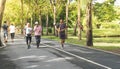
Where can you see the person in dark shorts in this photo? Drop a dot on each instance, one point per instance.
(61, 27)
(12, 32)
(5, 31)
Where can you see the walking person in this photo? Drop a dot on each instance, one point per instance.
(5, 31)
(12, 32)
(61, 27)
(37, 33)
(28, 34)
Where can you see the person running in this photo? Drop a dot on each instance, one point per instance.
(61, 27)
(12, 32)
(37, 33)
(28, 34)
(5, 31)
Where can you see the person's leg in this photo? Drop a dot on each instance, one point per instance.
(36, 38)
(29, 42)
(11, 37)
(62, 43)
(26, 40)
(4, 38)
(38, 41)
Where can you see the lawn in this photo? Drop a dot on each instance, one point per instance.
(101, 42)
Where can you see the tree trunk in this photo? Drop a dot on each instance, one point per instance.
(79, 24)
(47, 24)
(54, 31)
(40, 19)
(21, 17)
(75, 28)
(2, 7)
(67, 7)
(89, 41)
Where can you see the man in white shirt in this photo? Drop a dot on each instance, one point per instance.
(12, 32)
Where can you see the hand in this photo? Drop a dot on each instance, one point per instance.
(62, 29)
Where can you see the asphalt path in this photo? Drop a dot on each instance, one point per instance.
(51, 56)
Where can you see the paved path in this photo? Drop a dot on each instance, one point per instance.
(51, 56)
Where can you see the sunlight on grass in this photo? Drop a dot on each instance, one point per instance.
(108, 44)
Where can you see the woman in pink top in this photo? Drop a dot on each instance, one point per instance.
(37, 33)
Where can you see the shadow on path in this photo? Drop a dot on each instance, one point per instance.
(5, 63)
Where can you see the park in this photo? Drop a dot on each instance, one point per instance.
(92, 34)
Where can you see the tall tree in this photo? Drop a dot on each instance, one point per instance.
(53, 4)
(89, 41)
(67, 9)
(104, 11)
(47, 19)
(21, 16)
(79, 21)
(2, 7)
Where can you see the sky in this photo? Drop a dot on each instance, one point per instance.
(117, 2)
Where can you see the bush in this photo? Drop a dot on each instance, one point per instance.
(50, 30)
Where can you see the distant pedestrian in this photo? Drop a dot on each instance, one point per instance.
(61, 27)
(37, 33)
(28, 34)
(5, 31)
(12, 32)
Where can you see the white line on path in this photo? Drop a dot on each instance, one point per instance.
(80, 57)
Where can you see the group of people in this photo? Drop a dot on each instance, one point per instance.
(37, 32)
(7, 28)
(61, 27)
(28, 30)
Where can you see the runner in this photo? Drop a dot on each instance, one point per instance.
(61, 31)
(5, 31)
(12, 32)
(37, 33)
(28, 34)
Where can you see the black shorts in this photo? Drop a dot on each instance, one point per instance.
(12, 35)
(62, 36)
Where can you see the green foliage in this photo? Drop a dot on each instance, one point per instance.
(104, 12)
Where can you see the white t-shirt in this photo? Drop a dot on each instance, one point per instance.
(28, 30)
(12, 29)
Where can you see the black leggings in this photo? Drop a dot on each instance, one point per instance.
(28, 40)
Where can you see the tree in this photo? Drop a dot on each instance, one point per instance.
(21, 16)
(89, 39)
(79, 21)
(104, 11)
(2, 7)
(53, 4)
(67, 10)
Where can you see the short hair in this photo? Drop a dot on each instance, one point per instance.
(5, 21)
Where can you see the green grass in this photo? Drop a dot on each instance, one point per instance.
(96, 32)
(108, 48)
(107, 39)
(106, 32)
